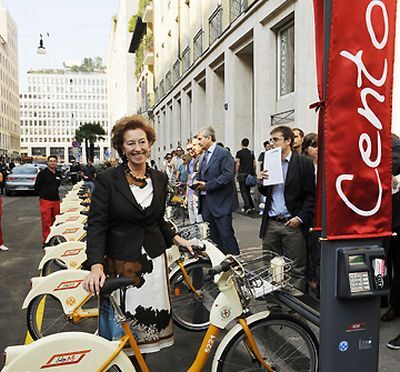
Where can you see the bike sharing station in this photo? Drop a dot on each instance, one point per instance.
(355, 65)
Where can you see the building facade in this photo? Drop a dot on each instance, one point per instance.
(55, 106)
(121, 81)
(9, 86)
(241, 66)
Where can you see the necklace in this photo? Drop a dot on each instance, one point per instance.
(137, 180)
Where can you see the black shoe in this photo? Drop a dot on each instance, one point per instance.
(390, 315)
(394, 344)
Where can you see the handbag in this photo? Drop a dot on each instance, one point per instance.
(251, 180)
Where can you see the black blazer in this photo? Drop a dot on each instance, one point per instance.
(119, 227)
(299, 192)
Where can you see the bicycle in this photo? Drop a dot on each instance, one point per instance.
(51, 310)
(258, 341)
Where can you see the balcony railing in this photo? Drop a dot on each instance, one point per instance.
(237, 7)
(162, 88)
(198, 45)
(215, 25)
(176, 71)
(168, 81)
(185, 59)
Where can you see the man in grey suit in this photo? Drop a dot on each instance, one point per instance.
(215, 184)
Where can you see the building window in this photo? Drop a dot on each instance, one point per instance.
(215, 25)
(286, 59)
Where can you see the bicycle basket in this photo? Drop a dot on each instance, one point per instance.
(265, 271)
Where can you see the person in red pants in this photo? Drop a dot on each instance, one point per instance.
(47, 184)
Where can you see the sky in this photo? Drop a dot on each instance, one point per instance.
(76, 28)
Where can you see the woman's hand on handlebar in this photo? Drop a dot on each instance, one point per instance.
(179, 241)
(95, 279)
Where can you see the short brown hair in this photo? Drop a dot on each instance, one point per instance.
(127, 123)
(287, 133)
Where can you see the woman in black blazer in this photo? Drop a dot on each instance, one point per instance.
(128, 236)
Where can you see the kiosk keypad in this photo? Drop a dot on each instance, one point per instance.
(359, 282)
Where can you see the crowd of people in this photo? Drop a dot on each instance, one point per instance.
(127, 233)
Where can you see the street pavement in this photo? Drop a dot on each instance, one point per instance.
(22, 233)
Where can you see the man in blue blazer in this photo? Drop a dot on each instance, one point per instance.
(215, 184)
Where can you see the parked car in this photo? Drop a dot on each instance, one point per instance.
(21, 179)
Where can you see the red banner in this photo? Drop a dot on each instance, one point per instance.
(357, 122)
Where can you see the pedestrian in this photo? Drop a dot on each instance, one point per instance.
(46, 185)
(391, 244)
(298, 140)
(89, 174)
(310, 149)
(153, 164)
(192, 198)
(215, 183)
(245, 165)
(2, 246)
(168, 167)
(114, 162)
(4, 172)
(267, 146)
(11, 165)
(128, 236)
(289, 205)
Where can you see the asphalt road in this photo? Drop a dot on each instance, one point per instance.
(22, 233)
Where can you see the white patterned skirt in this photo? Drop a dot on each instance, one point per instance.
(147, 303)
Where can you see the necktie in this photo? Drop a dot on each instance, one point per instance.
(203, 164)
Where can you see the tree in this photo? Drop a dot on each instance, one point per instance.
(89, 133)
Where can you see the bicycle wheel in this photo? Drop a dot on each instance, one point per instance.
(45, 316)
(57, 239)
(53, 265)
(189, 311)
(286, 344)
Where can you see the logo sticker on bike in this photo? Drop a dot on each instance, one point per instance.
(70, 301)
(71, 231)
(71, 284)
(71, 210)
(225, 312)
(64, 359)
(71, 252)
(72, 218)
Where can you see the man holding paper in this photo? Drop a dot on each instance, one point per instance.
(288, 182)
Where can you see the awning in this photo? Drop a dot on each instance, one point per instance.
(140, 30)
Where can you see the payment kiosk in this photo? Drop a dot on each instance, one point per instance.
(361, 272)
(354, 280)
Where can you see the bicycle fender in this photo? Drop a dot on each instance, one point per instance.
(70, 206)
(173, 255)
(79, 351)
(232, 333)
(71, 231)
(70, 217)
(65, 285)
(186, 262)
(73, 254)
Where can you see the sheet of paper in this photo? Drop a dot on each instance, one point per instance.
(273, 165)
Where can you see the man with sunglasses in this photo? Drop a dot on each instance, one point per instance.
(289, 206)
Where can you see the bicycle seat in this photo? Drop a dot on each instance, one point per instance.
(112, 284)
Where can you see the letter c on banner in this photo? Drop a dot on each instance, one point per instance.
(360, 212)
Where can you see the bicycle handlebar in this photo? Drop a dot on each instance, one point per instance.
(224, 266)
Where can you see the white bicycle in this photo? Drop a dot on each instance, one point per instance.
(260, 341)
